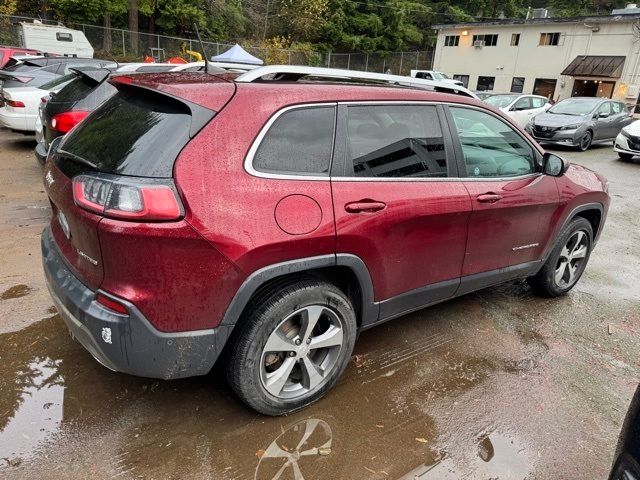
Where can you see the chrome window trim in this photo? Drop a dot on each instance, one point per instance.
(248, 161)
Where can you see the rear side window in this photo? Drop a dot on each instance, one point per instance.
(395, 141)
(132, 133)
(75, 91)
(299, 142)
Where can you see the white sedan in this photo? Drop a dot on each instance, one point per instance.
(19, 106)
(521, 108)
(627, 143)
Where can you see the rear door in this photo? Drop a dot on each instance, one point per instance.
(512, 201)
(398, 204)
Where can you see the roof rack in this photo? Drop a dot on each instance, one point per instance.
(296, 72)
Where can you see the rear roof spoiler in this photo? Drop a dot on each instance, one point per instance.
(92, 76)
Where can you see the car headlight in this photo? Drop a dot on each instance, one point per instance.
(570, 127)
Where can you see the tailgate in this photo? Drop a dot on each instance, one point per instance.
(74, 230)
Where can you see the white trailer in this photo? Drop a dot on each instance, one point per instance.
(56, 39)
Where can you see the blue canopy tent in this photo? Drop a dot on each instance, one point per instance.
(237, 54)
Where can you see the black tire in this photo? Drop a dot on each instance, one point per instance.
(585, 141)
(625, 157)
(544, 282)
(271, 313)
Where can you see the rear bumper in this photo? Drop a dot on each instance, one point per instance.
(128, 344)
(41, 153)
(17, 121)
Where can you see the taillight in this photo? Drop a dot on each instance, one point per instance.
(63, 122)
(111, 304)
(127, 198)
(15, 103)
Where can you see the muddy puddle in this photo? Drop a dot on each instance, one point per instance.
(16, 291)
(380, 421)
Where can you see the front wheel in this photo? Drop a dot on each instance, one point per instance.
(625, 157)
(567, 261)
(293, 346)
(585, 141)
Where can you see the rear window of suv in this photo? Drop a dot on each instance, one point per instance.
(133, 133)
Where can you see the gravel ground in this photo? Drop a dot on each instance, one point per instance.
(496, 384)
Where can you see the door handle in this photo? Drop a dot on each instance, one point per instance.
(489, 198)
(365, 206)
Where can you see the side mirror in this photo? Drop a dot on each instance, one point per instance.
(602, 115)
(554, 165)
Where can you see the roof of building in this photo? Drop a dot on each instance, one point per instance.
(628, 17)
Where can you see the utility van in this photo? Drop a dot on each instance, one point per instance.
(56, 39)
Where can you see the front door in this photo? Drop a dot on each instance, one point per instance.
(512, 201)
(398, 205)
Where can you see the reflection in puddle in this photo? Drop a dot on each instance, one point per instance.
(282, 458)
(38, 414)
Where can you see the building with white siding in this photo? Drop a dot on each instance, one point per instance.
(553, 57)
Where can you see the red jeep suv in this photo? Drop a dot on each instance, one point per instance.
(266, 219)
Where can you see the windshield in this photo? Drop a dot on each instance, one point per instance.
(575, 106)
(58, 82)
(500, 101)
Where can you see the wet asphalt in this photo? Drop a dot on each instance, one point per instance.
(496, 384)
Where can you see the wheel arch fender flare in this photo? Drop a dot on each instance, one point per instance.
(369, 309)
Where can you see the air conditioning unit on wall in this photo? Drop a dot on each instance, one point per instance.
(478, 43)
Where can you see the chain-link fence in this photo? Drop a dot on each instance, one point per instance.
(126, 45)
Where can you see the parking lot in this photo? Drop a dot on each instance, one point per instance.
(496, 384)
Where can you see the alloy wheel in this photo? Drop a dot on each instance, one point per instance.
(585, 142)
(302, 351)
(571, 260)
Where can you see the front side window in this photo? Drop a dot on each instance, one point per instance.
(491, 148)
(549, 39)
(451, 40)
(395, 141)
(424, 75)
(299, 142)
(604, 109)
(485, 83)
(523, 104)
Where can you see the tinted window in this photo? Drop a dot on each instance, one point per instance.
(424, 75)
(395, 141)
(57, 82)
(491, 148)
(299, 142)
(132, 133)
(75, 91)
(64, 37)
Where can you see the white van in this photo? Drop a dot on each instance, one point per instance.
(56, 39)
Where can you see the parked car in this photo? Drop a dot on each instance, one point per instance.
(56, 39)
(521, 108)
(434, 75)
(483, 94)
(22, 75)
(580, 122)
(19, 109)
(627, 142)
(73, 103)
(6, 52)
(626, 463)
(275, 219)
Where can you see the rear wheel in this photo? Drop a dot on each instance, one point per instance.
(625, 157)
(585, 141)
(567, 261)
(294, 345)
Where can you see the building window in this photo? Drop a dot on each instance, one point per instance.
(515, 39)
(549, 38)
(545, 87)
(489, 40)
(485, 83)
(451, 40)
(463, 78)
(517, 84)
